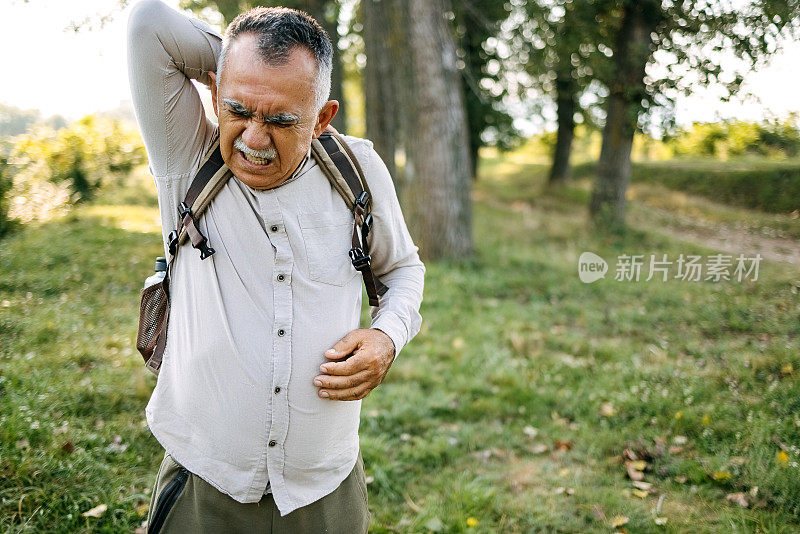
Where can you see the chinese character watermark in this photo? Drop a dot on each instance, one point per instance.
(687, 268)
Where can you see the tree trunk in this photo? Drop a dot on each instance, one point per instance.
(382, 33)
(632, 52)
(565, 102)
(437, 177)
(415, 104)
(326, 12)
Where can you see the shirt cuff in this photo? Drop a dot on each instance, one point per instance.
(391, 325)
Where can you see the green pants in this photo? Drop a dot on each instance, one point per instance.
(184, 503)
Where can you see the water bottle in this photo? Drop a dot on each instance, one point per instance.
(161, 272)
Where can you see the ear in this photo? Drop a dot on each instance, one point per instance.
(212, 77)
(325, 116)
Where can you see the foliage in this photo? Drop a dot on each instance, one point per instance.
(88, 154)
(738, 138)
(5, 187)
(477, 26)
(15, 121)
(772, 187)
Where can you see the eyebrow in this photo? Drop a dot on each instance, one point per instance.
(282, 118)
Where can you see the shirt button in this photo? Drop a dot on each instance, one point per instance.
(281, 332)
(272, 443)
(274, 227)
(278, 389)
(281, 278)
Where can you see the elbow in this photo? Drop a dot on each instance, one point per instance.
(144, 19)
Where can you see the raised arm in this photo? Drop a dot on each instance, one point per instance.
(166, 50)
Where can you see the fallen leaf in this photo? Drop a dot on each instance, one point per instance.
(739, 498)
(561, 445)
(639, 465)
(530, 431)
(787, 369)
(618, 521)
(607, 410)
(721, 475)
(435, 524)
(539, 448)
(633, 473)
(68, 447)
(641, 493)
(675, 449)
(97, 511)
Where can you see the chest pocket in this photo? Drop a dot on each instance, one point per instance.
(327, 237)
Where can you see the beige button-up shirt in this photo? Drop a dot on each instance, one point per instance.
(235, 402)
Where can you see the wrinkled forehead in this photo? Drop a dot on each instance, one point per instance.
(243, 53)
(268, 88)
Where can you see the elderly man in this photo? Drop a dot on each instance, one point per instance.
(258, 399)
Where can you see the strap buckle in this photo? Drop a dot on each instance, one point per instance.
(172, 242)
(360, 259)
(362, 199)
(184, 210)
(205, 250)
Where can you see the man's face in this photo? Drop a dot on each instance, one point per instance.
(267, 114)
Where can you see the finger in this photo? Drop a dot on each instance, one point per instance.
(342, 382)
(355, 363)
(346, 345)
(358, 392)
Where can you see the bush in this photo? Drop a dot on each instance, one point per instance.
(772, 187)
(84, 156)
(738, 138)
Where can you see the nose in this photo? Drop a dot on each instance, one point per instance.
(256, 136)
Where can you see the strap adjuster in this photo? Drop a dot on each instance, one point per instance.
(363, 199)
(183, 210)
(360, 259)
(172, 242)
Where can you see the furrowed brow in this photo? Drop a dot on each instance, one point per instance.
(284, 118)
(237, 107)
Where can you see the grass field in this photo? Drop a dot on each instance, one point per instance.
(514, 410)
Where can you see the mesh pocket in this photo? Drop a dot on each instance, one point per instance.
(153, 316)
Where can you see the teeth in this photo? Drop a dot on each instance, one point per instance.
(257, 161)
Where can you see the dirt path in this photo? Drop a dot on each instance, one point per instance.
(719, 236)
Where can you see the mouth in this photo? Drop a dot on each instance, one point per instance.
(258, 162)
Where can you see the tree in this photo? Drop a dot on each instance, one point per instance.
(326, 12)
(424, 95)
(689, 38)
(481, 66)
(557, 43)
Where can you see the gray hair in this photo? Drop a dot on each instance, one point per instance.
(279, 31)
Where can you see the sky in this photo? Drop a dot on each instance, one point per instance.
(60, 71)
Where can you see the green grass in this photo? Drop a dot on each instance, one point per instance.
(512, 407)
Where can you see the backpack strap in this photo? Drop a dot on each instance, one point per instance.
(210, 178)
(343, 171)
